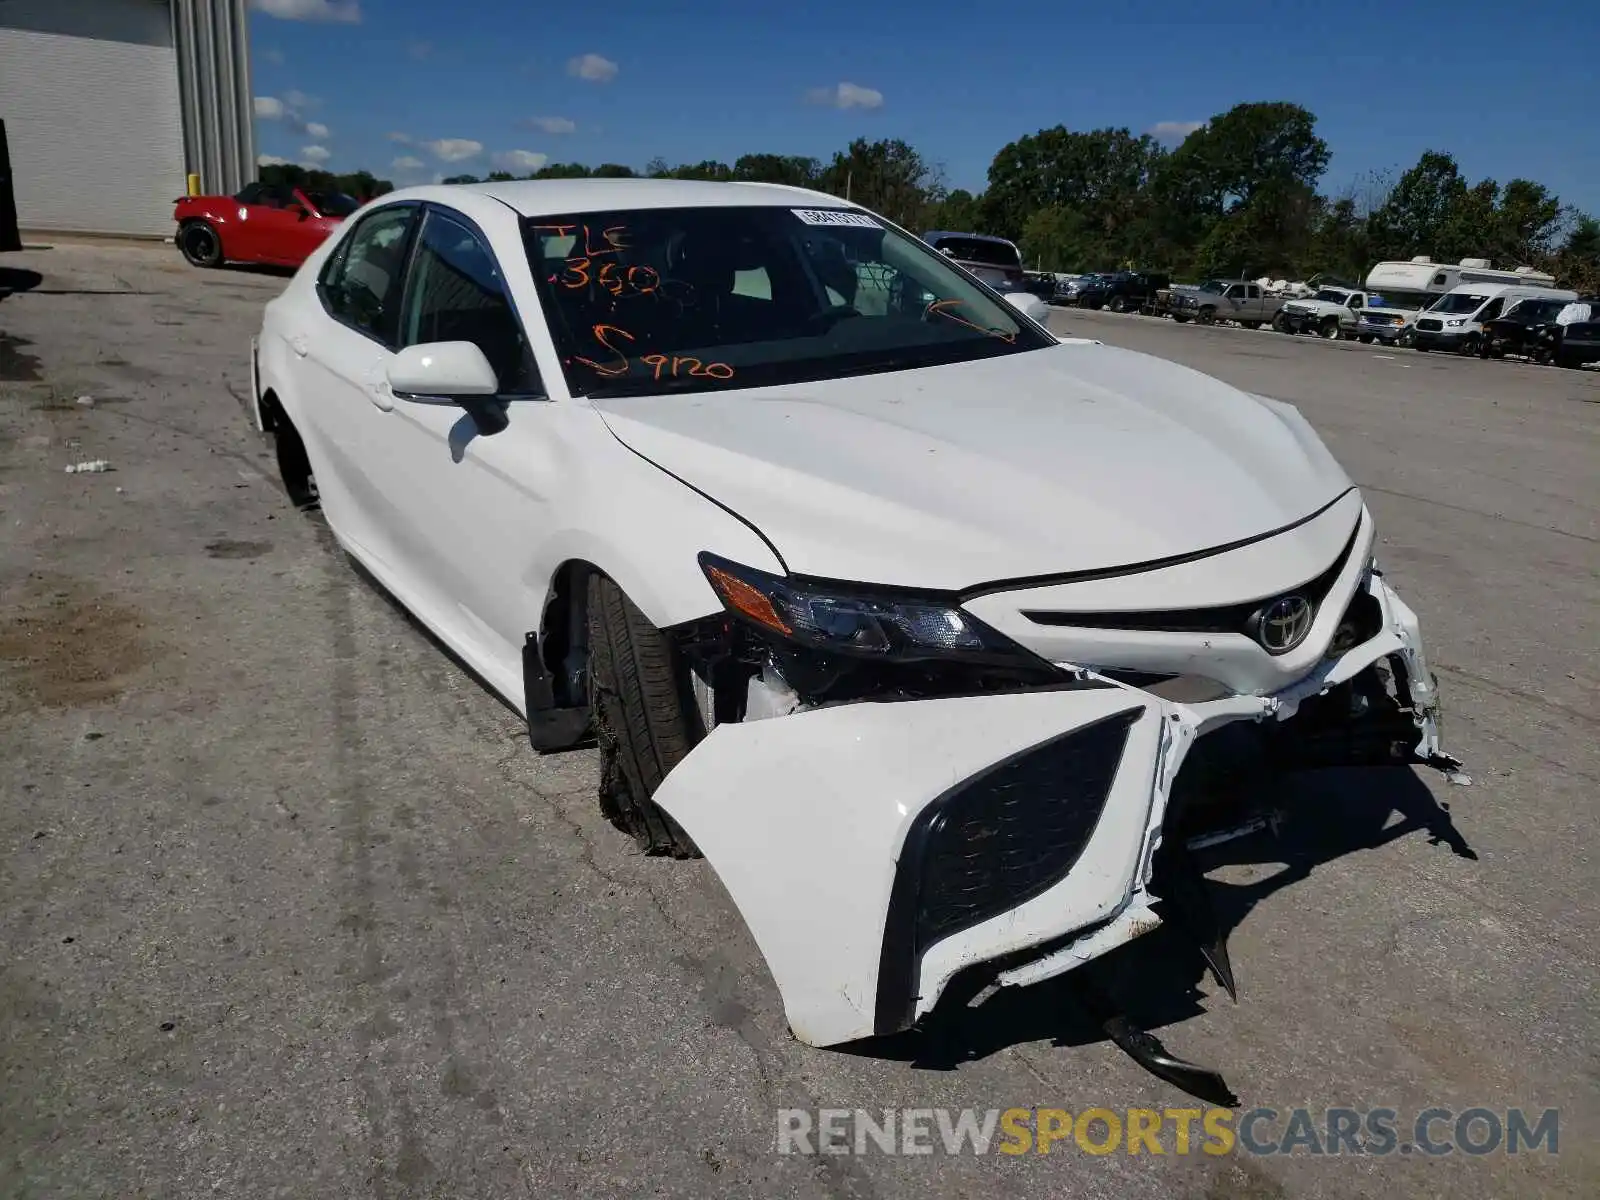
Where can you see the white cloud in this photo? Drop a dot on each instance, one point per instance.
(271, 160)
(846, 95)
(1174, 129)
(317, 130)
(316, 154)
(298, 100)
(592, 67)
(275, 57)
(345, 12)
(520, 160)
(403, 139)
(453, 149)
(269, 108)
(408, 163)
(550, 124)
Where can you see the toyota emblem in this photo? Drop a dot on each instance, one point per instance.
(1283, 624)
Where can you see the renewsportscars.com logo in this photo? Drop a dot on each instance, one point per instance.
(1431, 1132)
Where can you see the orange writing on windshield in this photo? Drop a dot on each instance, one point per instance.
(618, 367)
(686, 366)
(945, 308)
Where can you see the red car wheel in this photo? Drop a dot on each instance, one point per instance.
(200, 244)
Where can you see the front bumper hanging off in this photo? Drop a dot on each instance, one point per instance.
(877, 850)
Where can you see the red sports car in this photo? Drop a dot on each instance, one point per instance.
(264, 223)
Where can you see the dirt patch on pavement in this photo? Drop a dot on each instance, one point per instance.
(63, 644)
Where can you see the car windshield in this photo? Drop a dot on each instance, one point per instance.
(979, 250)
(1458, 302)
(655, 300)
(1213, 285)
(1328, 295)
(333, 204)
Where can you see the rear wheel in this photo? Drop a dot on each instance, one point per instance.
(1364, 338)
(1280, 323)
(200, 244)
(645, 718)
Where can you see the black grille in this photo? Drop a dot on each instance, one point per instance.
(1430, 324)
(993, 842)
(1229, 618)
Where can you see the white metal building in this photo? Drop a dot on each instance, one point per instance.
(109, 106)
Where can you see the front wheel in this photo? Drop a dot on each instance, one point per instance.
(1208, 316)
(1180, 318)
(200, 244)
(644, 715)
(1330, 329)
(1470, 344)
(1364, 338)
(1117, 304)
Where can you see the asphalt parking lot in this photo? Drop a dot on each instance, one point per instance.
(290, 908)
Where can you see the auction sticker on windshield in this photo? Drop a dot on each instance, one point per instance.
(825, 216)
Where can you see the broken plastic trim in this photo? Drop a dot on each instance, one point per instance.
(906, 932)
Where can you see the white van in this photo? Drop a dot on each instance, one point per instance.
(1455, 320)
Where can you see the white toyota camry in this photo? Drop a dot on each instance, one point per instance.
(907, 614)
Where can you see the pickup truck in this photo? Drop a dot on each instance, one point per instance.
(1225, 300)
(1331, 313)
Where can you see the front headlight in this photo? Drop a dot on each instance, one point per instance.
(869, 625)
(1456, 324)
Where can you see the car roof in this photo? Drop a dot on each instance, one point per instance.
(956, 233)
(550, 197)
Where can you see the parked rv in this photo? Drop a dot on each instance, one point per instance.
(1455, 320)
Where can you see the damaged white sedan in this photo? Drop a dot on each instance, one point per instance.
(911, 617)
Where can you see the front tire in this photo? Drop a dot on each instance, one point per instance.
(200, 243)
(644, 718)
(1118, 304)
(1330, 329)
(1364, 338)
(1208, 316)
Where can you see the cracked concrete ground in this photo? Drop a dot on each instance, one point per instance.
(291, 910)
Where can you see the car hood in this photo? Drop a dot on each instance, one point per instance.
(1078, 457)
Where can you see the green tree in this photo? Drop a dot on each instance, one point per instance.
(960, 211)
(790, 169)
(1099, 174)
(887, 176)
(1577, 262)
(1058, 238)
(1526, 224)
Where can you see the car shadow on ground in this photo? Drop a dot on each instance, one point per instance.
(1160, 979)
(15, 279)
(260, 269)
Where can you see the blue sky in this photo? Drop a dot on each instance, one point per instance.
(414, 89)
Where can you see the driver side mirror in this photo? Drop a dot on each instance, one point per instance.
(442, 373)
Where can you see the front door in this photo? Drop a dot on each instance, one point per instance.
(470, 489)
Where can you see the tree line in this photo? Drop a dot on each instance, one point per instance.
(1239, 196)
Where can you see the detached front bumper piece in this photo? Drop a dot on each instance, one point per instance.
(877, 850)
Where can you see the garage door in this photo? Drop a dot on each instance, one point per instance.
(89, 93)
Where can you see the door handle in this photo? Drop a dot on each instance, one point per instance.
(379, 392)
(300, 344)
